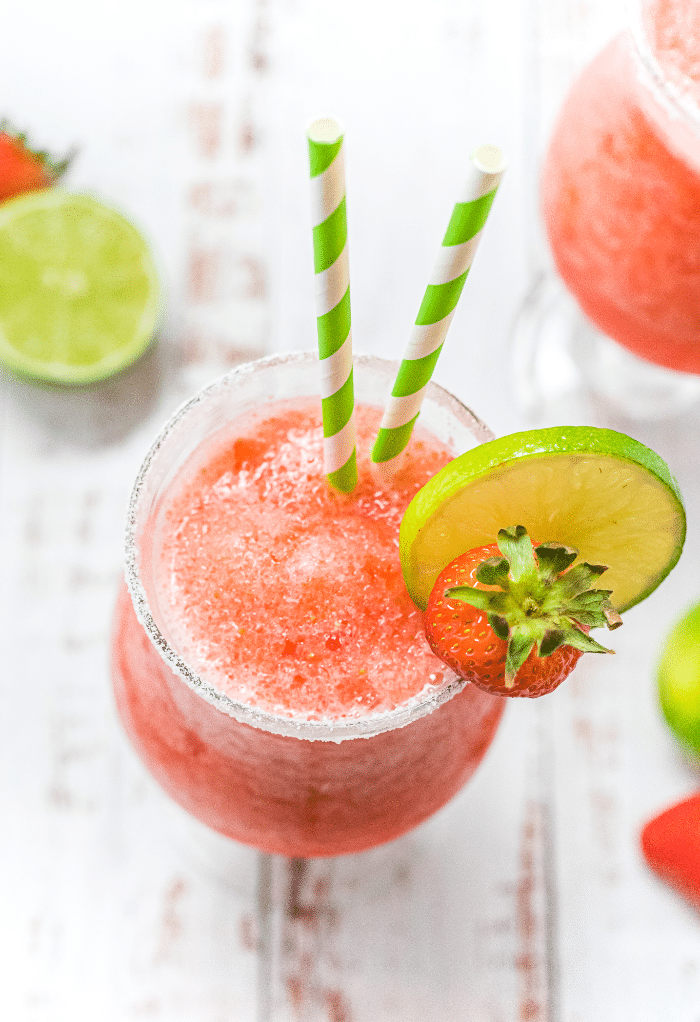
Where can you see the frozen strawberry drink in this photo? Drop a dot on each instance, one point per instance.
(621, 187)
(269, 665)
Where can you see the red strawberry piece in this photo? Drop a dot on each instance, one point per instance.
(671, 847)
(23, 168)
(514, 619)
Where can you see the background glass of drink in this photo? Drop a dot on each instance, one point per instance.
(620, 192)
(285, 785)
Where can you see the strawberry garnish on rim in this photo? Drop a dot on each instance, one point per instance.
(23, 168)
(524, 633)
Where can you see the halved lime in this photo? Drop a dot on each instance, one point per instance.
(599, 491)
(79, 292)
(679, 679)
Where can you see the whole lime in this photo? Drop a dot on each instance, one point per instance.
(679, 679)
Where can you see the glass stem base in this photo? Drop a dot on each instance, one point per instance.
(563, 366)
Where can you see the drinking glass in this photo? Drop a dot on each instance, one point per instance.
(620, 194)
(296, 787)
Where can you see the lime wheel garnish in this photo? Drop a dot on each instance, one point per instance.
(601, 492)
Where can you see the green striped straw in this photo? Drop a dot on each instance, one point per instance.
(330, 233)
(439, 302)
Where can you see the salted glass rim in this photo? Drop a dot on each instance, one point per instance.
(338, 729)
(675, 99)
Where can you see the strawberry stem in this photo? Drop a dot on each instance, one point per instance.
(53, 167)
(538, 600)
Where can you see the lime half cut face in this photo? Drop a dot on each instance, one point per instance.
(80, 297)
(597, 490)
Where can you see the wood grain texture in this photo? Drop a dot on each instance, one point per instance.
(525, 900)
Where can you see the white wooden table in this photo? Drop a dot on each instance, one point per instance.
(525, 900)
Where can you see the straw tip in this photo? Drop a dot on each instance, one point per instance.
(489, 158)
(324, 130)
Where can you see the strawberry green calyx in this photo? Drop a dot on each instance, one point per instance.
(541, 602)
(52, 168)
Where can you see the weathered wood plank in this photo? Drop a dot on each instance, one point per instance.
(104, 911)
(628, 947)
(449, 922)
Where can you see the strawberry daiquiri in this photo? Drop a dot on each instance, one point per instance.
(277, 681)
(621, 187)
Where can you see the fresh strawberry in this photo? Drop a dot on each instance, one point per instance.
(513, 620)
(671, 846)
(23, 168)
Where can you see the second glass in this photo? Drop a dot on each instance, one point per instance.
(620, 194)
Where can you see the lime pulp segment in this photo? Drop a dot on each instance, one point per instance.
(79, 293)
(599, 491)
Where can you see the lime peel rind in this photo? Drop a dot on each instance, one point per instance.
(534, 477)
